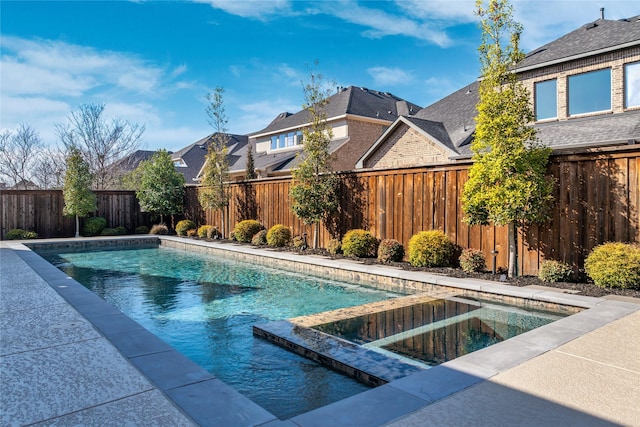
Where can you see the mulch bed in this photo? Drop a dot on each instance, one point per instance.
(583, 288)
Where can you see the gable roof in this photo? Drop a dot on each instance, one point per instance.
(133, 160)
(357, 101)
(595, 37)
(193, 155)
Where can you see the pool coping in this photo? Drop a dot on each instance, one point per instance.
(208, 401)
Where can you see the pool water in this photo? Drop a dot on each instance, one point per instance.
(206, 306)
(439, 330)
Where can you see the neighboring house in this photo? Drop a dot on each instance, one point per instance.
(585, 90)
(24, 185)
(356, 115)
(190, 160)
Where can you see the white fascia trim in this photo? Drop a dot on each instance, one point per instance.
(329, 120)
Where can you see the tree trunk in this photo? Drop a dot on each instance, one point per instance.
(77, 226)
(316, 232)
(222, 223)
(513, 250)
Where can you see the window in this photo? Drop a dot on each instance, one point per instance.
(274, 142)
(290, 139)
(590, 92)
(546, 100)
(285, 140)
(632, 85)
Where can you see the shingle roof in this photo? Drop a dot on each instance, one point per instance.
(598, 35)
(194, 155)
(133, 160)
(353, 100)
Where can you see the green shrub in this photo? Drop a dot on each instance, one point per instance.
(260, 238)
(334, 247)
(430, 249)
(18, 234)
(159, 229)
(359, 243)
(142, 229)
(183, 226)
(245, 230)
(30, 235)
(232, 236)
(555, 271)
(203, 231)
(93, 226)
(472, 261)
(299, 242)
(117, 231)
(192, 232)
(390, 250)
(614, 265)
(213, 233)
(279, 236)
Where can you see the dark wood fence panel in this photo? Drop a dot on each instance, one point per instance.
(42, 211)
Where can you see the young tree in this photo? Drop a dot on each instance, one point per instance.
(79, 200)
(159, 188)
(102, 143)
(507, 183)
(250, 172)
(18, 154)
(213, 193)
(313, 190)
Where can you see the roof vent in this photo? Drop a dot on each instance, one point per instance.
(590, 26)
(468, 91)
(602, 13)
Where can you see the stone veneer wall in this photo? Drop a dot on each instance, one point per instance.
(614, 60)
(405, 147)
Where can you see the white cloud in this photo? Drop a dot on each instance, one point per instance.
(389, 76)
(257, 9)
(453, 11)
(181, 69)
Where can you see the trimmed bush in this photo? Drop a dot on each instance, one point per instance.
(430, 249)
(359, 243)
(334, 247)
(299, 242)
(183, 226)
(555, 271)
(93, 226)
(232, 236)
(116, 231)
(142, 229)
(245, 230)
(213, 233)
(192, 232)
(390, 250)
(279, 236)
(472, 261)
(159, 229)
(20, 234)
(203, 231)
(260, 238)
(614, 265)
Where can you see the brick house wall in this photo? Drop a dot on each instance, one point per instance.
(405, 146)
(362, 135)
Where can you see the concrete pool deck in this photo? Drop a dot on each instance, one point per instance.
(68, 358)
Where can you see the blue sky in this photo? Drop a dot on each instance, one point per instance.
(153, 62)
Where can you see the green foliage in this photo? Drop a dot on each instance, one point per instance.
(93, 226)
(213, 194)
(260, 238)
(334, 247)
(507, 182)
(245, 230)
(159, 229)
(159, 189)
(555, 271)
(117, 231)
(279, 236)
(614, 265)
(204, 230)
(192, 232)
(472, 261)
(250, 172)
(390, 250)
(430, 249)
(359, 243)
(20, 234)
(183, 226)
(142, 229)
(79, 200)
(314, 187)
(299, 242)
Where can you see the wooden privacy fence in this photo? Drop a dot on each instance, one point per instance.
(597, 196)
(41, 211)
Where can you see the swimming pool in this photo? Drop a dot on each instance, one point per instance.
(205, 307)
